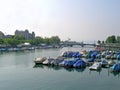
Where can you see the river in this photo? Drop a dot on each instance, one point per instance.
(18, 72)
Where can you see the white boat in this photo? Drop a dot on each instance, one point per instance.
(62, 63)
(111, 63)
(95, 66)
(39, 60)
(57, 60)
(108, 56)
(48, 61)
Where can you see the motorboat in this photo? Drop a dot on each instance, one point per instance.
(104, 63)
(77, 55)
(118, 57)
(90, 61)
(115, 67)
(95, 66)
(48, 61)
(70, 63)
(67, 54)
(39, 60)
(57, 60)
(80, 64)
(111, 62)
(62, 63)
(108, 56)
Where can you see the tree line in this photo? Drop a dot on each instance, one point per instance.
(17, 39)
(110, 39)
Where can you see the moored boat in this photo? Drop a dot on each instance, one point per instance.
(48, 61)
(115, 67)
(104, 63)
(80, 64)
(95, 66)
(70, 63)
(111, 63)
(62, 63)
(39, 60)
(57, 60)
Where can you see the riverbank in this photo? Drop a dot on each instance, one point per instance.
(23, 48)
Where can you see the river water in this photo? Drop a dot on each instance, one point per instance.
(18, 72)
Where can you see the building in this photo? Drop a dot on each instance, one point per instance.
(2, 35)
(25, 34)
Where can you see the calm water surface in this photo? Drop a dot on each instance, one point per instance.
(18, 72)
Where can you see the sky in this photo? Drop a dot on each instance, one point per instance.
(79, 20)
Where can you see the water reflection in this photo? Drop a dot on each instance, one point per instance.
(90, 72)
(38, 66)
(75, 69)
(113, 73)
(59, 68)
(99, 71)
(116, 74)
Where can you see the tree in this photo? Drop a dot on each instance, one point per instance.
(12, 41)
(37, 41)
(46, 41)
(103, 42)
(19, 37)
(1, 41)
(118, 39)
(111, 39)
(99, 42)
(55, 40)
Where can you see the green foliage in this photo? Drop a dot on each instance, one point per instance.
(118, 39)
(103, 42)
(19, 37)
(15, 40)
(1, 41)
(37, 41)
(111, 39)
(54, 40)
(99, 42)
(11, 41)
(48, 41)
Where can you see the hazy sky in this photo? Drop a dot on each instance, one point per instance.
(79, 20)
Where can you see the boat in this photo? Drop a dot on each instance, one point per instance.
(62, 63)
(111, 63)
(77, 55)
(57, 60)
(104, 63)
(70, 63)
(48, 61)
(67, 54)
(80, 64)
(93, 55)
(95, 66)
(39, 60)
(118, 57)
(115, 67)
(90, 61)
(108, 56)
(98, 56)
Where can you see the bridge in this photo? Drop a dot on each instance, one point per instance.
(72, 43)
